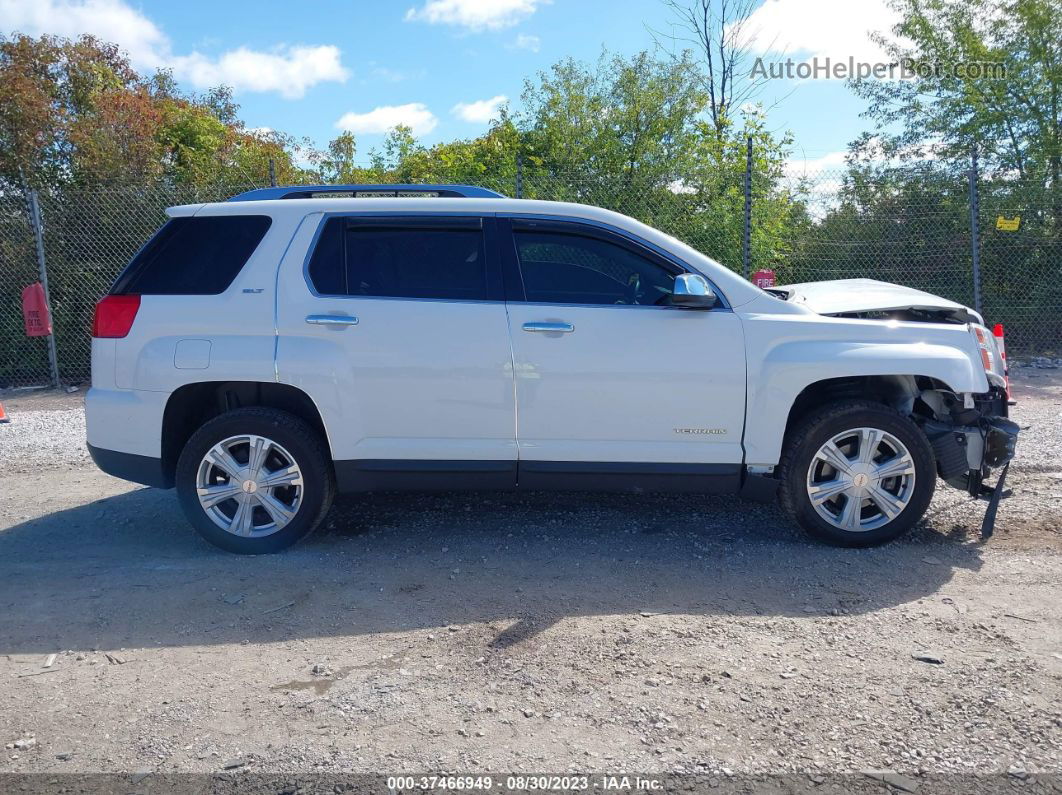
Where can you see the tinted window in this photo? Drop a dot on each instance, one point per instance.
(564, 268)
(327, 269)
(422, 258)
(194, 256)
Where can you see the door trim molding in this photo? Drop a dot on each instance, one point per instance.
(363, 475)
(409, 474)
(630, 476)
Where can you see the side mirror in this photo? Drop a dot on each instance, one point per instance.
(692, 291)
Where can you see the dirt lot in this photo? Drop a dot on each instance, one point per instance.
(517, 633)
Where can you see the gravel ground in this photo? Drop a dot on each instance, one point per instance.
(526, 632)
(49, 432)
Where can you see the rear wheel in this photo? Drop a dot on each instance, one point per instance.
(255, 480)
(857, 474)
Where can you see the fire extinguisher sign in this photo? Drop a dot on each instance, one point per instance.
(35, 316)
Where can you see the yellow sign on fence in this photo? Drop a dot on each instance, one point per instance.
(1008, 224)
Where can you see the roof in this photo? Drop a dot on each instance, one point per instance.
(366, 191)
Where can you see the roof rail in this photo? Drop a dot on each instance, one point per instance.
(365, 191)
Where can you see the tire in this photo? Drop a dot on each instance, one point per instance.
(871, 509)
(292, 488)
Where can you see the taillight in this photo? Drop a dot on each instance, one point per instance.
(114, 316)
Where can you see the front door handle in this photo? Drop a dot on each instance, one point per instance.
(563, 328)
(332, 320)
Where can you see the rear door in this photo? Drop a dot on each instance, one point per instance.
(610, 378)
(396, 327)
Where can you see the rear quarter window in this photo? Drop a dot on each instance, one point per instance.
(193, 256)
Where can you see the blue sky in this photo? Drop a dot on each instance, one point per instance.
(314, 67)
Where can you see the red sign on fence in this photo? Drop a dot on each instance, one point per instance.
(35, 311)
(764, 278)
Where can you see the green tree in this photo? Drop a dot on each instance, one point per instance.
(76, 113)
(1015, 119)
(637, 135)
(717, 34)
(618, 121)
(56, 93)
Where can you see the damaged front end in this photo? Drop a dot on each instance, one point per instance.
(971, 437)
(971, 434)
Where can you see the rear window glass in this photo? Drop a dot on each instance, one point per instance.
(194, 256)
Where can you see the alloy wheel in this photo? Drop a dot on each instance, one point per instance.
(249, 486)
(861, 479)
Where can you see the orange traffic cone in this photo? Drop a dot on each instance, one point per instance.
(997, 332)
(3, 415)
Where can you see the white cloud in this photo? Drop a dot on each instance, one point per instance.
(481, 111)
(837, 29)
(287, 70)
(525, 41)
(111, 20)
(799, 166)
(817, 181)
(834, 163)
(414, 115)
(475, 15)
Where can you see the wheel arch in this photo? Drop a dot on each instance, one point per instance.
(897, 391)
(897, 496)
(191, 405)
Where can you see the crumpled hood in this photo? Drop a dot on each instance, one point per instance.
(852, 296)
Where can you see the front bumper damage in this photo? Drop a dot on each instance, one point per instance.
(972, 442)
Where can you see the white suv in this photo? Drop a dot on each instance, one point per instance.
(263, 353)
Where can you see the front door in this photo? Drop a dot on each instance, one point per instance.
(397, 330)
(611, 379)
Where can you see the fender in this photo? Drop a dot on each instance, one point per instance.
(780, 373)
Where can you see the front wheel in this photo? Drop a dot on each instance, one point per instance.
(857, 474)
(255, 480)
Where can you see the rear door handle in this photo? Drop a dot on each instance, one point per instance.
(331, 320)
(563, 328)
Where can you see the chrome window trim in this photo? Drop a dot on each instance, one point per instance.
(400, 298)
(621, 306)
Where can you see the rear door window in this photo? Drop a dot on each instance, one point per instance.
(440, 258)
(194, 256)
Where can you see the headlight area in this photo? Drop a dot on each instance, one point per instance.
(970, 439)
(993, 357)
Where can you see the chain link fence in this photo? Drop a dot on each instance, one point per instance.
(1020, 228)
(912, 226)
(23, 359)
